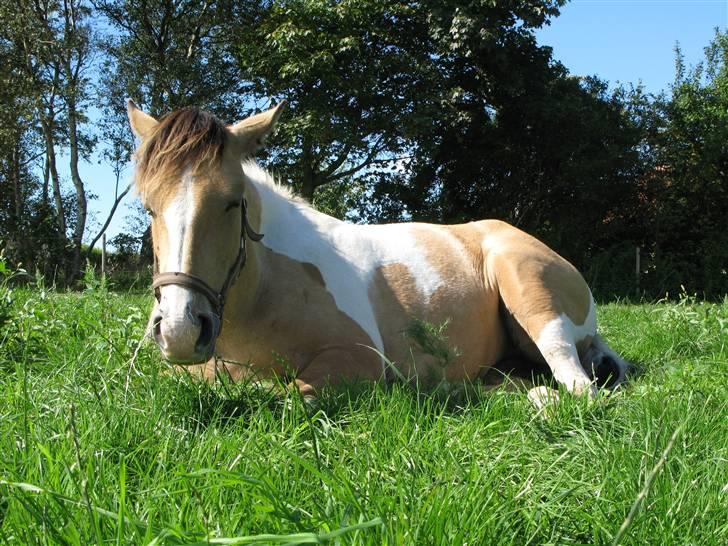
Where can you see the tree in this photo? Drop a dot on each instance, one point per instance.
(166, 55)
(74, 58)
(356, 75)
(30, 87)
(689, 189)
(52, 41)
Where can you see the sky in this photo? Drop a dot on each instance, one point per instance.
(631, 41)
(621, 41)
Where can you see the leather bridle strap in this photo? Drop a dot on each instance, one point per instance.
(217, 299)
(189, 281)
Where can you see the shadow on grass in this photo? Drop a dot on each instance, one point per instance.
(637, 368)
(200, 405)
(195, 404)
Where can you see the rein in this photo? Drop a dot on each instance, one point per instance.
(217, 299)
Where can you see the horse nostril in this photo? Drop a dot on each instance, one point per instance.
(157, 328)
(207, 333)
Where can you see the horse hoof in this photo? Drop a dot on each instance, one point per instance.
(543, 398)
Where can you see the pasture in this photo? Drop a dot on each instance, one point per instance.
(100, 445)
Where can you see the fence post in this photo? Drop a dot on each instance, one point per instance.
(103, 256)
(637, 269)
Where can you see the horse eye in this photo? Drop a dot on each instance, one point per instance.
(151, 212)
(232, 205)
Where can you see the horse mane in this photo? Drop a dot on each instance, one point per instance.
(190, 138)
(183, 139)
(264, 180)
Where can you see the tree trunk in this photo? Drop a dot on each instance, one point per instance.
(51, 161)
(17, 190)
(311, 178)
(46, 182)
(308, 186)
(81, 205)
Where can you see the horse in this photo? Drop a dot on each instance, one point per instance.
(252, 281)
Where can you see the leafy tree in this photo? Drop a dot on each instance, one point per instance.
(355, 74)
(48, 46)
(166, 55)
(25, 84)
(52, 44)
(688, 191)
(74, 52)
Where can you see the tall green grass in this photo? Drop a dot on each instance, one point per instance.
(99, 444)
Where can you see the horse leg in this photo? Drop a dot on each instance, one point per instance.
(211, 371)
(540, 292)
(336, 366)
(549, 338)
(557, 345)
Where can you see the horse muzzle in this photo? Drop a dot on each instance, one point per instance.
(186, 337)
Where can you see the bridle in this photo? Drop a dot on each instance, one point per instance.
(217, 299)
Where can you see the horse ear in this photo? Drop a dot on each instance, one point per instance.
(142, 124)
(250, 133)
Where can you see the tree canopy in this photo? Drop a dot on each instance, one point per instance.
(443, 111)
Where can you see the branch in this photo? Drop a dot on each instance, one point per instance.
(196, 33)
(370, 159)
(108, 219)
(338, 162)
(122, 19)
(30, 160)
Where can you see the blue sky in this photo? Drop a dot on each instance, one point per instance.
(629, 41)
(622, 41)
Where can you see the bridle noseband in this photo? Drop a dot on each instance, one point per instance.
(217, 299)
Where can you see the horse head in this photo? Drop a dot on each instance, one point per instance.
(189, 177)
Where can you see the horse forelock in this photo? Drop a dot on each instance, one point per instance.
(185, 139)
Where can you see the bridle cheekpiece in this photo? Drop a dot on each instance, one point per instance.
(217, 299)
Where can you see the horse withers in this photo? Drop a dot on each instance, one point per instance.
(324, 300)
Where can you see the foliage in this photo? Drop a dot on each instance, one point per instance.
(101, 444)
(166, 55)
(688, 191)
(7, 275)
(351, 72)
(435, 111)
(51, 46)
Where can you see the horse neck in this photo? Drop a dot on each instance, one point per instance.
(283, 220)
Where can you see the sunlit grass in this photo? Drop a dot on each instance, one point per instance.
(97, 448)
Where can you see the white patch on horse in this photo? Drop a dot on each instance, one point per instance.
(178, 218)
(348, 256)
(409, 251)
(557, 343)
(295, 230)
(372, 247)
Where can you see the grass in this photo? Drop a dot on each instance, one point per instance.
(99, 445)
